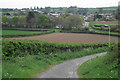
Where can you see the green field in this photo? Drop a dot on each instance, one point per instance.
(14, 32)
(23, 32)
(37, 29)
(91, 26)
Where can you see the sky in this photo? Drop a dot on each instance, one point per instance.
(57, 3)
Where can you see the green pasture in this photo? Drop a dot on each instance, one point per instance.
(23, 32)
(15, 32)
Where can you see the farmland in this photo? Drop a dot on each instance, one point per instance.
(21, 32)
(14, 32)
(30, 55)
(99, 27)
(71, 37)
(34, 40)
(107, 22)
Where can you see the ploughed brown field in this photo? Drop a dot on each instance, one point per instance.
(71, 37)
(108, 22)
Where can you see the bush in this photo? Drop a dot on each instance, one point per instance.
(112, 55)
(34, 47)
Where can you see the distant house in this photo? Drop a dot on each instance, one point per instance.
(25, 9)
(56, 14)
(73, 7)
(40, 12)
(8, 15)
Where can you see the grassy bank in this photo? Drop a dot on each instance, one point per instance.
(101, 67)
(30, 66)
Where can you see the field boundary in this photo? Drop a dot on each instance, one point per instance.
(26, 35)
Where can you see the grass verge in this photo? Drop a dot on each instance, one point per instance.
(30, 66)
(101, 67)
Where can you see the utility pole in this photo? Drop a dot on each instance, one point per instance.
(109, 36)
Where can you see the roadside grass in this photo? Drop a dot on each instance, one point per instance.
(30, 66)
(105, 66)
(0, 70)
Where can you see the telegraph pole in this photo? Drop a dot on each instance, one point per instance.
(109, 36)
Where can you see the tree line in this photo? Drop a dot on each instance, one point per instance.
(35, 20)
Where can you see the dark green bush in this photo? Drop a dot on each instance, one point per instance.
(18, 47)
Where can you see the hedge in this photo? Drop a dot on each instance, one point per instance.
(35, 47)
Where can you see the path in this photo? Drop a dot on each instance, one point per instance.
(67, 69)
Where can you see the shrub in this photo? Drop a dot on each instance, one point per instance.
(18, 47)
(112, 55)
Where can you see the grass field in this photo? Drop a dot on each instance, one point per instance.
(107, 22)
(37, 29)
(101, 67)
(22, 32)
(14, 32)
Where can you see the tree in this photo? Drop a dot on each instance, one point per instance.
(31, 7)
(37, 7)
(34, 7)
(72, 10)
(100, 10)
(30, 16)
(117, 15)
(43, 20)
(4, 20)
(15, 20)
(22, 21)
(69, 21)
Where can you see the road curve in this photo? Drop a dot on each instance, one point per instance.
(67, 69)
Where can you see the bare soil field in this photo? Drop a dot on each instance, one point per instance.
(71, 37)
(108, 22)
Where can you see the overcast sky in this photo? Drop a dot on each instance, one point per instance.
(57, 3)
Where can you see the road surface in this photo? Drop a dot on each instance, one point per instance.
(67, 69)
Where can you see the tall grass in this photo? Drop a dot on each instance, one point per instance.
(30, 66)
(101, 67)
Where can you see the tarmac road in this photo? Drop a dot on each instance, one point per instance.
(67, 69)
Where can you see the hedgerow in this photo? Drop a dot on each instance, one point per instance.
(35, 47)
